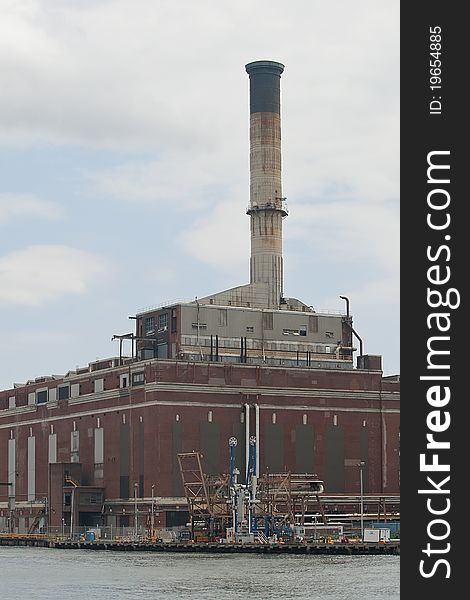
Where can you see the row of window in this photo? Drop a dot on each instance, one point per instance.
(162, 321)
(268, 324)
(63, 392)
(254, 344)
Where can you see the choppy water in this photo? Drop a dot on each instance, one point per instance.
(40, 574)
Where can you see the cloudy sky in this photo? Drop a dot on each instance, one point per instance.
(124, 165)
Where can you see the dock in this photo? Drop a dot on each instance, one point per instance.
(389, 548)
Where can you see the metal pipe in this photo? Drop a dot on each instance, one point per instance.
(216, 348)
(257, 438)
(247, 436)
(361, 465)
(352, 328)
(360, 340)
(347, 304)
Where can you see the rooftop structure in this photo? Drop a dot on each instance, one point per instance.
(255, 322)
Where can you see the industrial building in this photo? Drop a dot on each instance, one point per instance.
(102, 445)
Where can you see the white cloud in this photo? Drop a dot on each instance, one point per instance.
(39, 274)
(26, 206)
(349, 230)
(180, 181)
(169, 74)
(221, 238)
(163, 84)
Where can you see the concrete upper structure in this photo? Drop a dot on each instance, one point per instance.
(253, 322)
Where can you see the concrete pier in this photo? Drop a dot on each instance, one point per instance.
(389, 548)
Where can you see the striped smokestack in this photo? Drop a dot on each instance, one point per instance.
(266, 207)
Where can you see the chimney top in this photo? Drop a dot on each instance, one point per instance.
(265, 66)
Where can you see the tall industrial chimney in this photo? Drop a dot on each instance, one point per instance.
(266, 207)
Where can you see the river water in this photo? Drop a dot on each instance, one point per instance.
(42, 573)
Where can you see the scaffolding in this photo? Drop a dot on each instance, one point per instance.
(281, 500)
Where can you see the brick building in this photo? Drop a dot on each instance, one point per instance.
(83, 448)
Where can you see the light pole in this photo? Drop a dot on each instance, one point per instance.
(135, 509)
(63, 527)
(71, 513)
(152, 520)
(361, 466)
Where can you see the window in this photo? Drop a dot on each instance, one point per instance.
(123, 379)
(250, 329)
(313, 323)
(98, 385)
(199, 325)
(163, 321)
(173, 320)
(222, 317)
(41, 397)
(91, 498)
(303, 330)
(267, 320)
(149, 325)
(138, 378)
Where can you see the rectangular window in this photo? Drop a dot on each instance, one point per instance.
(199, 325)
(222, 317)
(303, 330)
(173, 321)
(267, 320)
(41, 397)
(149, 325)
(163, 321)
(12, 402)
(98, 385)
(138, 378)
(88, 498)
(250, 329)
(313, 323)
(64, 392)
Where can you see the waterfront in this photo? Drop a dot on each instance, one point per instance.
(42, 573)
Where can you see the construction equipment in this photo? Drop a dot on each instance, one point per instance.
(251, 508)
